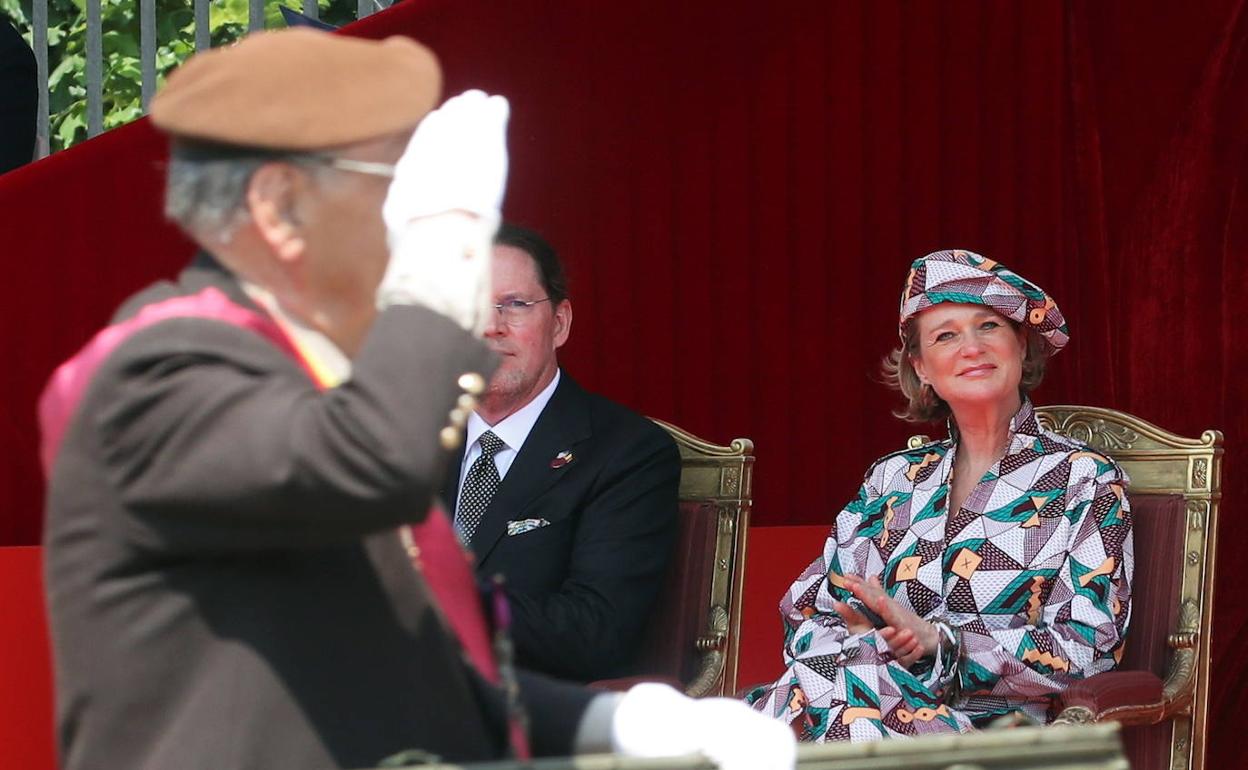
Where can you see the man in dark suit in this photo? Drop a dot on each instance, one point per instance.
(584, 516)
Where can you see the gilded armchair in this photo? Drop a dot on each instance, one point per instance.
(1160, 691)
(694, 632)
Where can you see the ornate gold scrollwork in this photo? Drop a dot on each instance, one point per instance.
(1181, 755)
(1075, 715)
(1197, 511)
(1180, 680)
(1189, 626)
(717, 630)
(1200, 473)
(1092, 431)
(709, 673)
(730, 481)
(1182, 641)
(711, 646)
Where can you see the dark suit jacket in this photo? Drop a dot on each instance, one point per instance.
(226, 585)
(581, 587)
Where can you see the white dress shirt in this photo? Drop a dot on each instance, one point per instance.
(512, 430)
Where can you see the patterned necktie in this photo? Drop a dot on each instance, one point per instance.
(479, 487)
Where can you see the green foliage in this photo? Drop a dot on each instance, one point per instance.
(122, 67)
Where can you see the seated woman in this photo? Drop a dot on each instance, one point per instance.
(972, 577)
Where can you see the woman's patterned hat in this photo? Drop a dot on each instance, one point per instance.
(967, 277)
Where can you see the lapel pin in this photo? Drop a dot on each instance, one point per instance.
(561, 459)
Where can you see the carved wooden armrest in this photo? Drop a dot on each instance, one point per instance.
(1129, 697)
(711, 651)
(710, 647)
(1180, 683)
(1140, 697)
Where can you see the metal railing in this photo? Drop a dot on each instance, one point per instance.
(94, 52)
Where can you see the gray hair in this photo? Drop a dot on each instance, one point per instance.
(207, 196)
(205, 192)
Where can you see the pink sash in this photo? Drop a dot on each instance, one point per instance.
(437, 553)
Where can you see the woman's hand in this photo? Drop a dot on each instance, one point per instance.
(909, 636)
(855, 621)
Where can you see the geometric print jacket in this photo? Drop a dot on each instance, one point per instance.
(1032, 577)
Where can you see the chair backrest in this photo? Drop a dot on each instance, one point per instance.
(1176, 486)
(694, 633)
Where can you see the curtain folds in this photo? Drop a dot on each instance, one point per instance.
(738, 189)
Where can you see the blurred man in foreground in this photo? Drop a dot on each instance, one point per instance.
(244, 568)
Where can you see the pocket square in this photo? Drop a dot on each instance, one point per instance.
(521, 526)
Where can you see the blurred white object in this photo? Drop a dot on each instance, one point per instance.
(654, 720)
(443, 208)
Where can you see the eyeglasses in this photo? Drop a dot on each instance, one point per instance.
(514, 312)
(372, 168)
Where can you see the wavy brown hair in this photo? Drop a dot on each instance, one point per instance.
(922, 402)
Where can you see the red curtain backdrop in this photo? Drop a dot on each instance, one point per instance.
(738, 189)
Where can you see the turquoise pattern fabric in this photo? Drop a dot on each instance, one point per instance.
(968, 278)
(1033, 574)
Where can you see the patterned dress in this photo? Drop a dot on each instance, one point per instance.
(1032, 575)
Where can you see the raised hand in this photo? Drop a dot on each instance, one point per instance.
(455, 161)
(442, 210)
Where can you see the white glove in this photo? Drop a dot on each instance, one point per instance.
(653, 720)
(455, 160)
(442, 210)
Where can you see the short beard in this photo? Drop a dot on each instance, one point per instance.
(505, 389)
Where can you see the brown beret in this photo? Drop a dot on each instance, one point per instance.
(299, 89)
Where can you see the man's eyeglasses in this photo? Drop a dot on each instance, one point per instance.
(514, 312)
(372, 168)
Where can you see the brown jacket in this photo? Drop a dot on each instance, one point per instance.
(226, 587)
